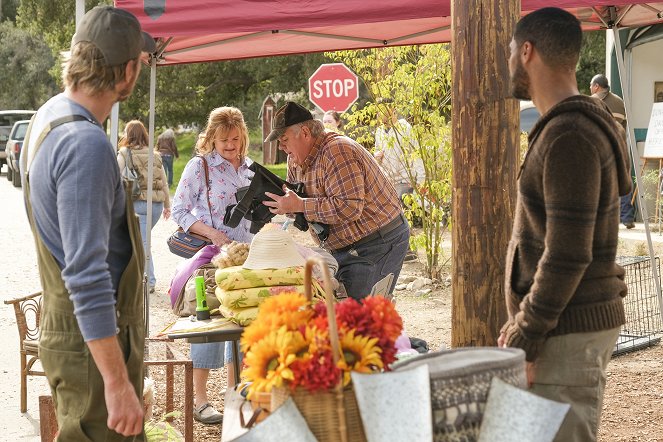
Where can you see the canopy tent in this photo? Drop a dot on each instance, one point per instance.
(190, 31)
(193, 31)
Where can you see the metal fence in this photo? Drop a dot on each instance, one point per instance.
(644, 326)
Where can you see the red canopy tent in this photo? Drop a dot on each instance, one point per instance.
(201, 30)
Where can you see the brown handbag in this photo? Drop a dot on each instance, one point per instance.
(187, 244)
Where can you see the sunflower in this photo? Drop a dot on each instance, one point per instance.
(268, 360)
(253, 333)
(360, 354)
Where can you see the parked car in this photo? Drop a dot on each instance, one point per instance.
(529, 115)
(13, 151)
(7, 120)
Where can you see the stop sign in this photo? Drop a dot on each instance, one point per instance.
(333, 87)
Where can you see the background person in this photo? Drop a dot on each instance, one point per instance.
(563, 288)
(88, 246)
(167, 147)
(600, 88)
(332, 121)
(224, 144)
(135, 139)
(396, 150)
(345, 188)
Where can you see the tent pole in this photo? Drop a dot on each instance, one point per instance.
(150, 181)
(636, 163)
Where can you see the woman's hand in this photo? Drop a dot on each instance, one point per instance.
(219, 238)
(166, 213)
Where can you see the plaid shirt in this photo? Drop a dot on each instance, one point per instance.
(346, 189)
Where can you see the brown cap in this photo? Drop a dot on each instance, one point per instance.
(115, 32)
(287, 115)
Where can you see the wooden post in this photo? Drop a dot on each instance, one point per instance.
(485, 165)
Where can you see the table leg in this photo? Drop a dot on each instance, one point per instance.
(235, 344)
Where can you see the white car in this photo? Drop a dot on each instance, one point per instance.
(529, 115)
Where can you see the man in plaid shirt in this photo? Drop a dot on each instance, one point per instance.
(346, 189)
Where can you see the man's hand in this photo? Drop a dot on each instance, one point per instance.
(501, 340)
(125, 413)
(288, 203)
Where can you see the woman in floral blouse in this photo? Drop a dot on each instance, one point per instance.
(224, 145)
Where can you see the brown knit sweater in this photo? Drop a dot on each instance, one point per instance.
(561, 275)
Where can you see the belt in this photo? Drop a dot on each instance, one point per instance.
(391, 225)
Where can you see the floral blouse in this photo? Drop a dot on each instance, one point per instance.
(190, 201)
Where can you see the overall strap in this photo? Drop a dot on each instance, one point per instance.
(28, 154)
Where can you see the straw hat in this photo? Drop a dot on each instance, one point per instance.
(273, 249)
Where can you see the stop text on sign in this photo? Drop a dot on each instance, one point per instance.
(337, 88)
(333, 87)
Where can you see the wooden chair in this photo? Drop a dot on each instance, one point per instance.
(27, 310)
(170, 357)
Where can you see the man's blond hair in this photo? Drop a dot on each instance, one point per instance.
(84, 68)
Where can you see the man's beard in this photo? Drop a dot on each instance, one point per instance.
(125, 92)
(520, 83)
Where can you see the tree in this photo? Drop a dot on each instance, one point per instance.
(592, 59)
(417, 81)
(24, 76)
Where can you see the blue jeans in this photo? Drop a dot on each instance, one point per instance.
(627, 213)
(167, 161)
(212, 354)
(360, 268)
(140, 206)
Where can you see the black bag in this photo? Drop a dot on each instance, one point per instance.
(186, 244)
(249, 203)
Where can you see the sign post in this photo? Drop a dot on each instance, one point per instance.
(333, 87)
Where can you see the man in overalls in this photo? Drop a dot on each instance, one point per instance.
(88, 242)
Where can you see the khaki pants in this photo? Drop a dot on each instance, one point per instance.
(571, 369)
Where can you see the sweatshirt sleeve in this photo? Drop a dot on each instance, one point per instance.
(571, 187)
(84, 218)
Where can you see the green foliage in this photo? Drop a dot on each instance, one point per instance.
(417, 79)
(8, 10)
(592, 59)
(24, 76)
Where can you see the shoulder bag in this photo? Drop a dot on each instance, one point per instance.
(188, 244)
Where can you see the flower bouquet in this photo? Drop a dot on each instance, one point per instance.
(306, 351)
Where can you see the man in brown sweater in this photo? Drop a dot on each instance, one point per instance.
(563, 288)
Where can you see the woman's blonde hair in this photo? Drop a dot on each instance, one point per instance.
(223, 119)
(135, 135)
(83, 68)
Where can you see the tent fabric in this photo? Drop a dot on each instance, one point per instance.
(204, 30)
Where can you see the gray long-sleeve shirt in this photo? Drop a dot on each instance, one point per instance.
(78, 202)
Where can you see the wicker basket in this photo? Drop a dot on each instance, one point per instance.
(332, 416)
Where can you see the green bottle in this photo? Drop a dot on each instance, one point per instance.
(202, 310)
